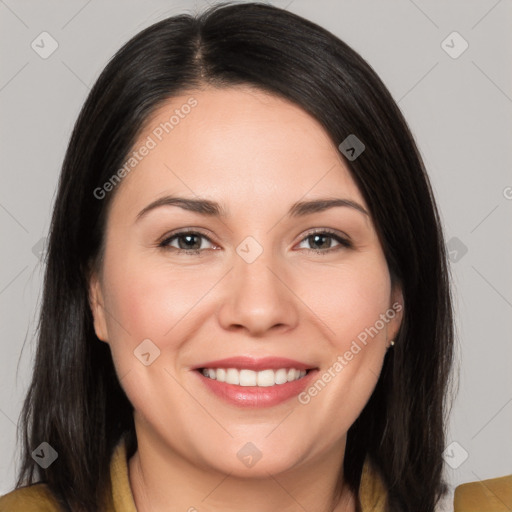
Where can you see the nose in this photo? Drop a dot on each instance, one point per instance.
(258, 297)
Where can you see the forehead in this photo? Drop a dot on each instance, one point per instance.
(239, 146)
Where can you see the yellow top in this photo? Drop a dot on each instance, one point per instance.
(493, 495)
(490, 495)
(37, 498)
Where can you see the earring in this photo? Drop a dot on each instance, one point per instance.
(391, 344)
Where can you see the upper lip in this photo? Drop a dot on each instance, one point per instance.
(256, 364)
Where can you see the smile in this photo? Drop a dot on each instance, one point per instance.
(263, 378)
(255, 382)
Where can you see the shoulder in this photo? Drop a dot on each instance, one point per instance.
(493, 495)
(34, 498)
(372, 494)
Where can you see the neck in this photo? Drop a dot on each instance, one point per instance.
(160, 477)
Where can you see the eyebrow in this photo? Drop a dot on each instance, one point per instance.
(210, 208)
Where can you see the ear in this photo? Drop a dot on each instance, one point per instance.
(96, 304)
(396, 305)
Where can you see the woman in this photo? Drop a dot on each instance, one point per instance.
(246, 303)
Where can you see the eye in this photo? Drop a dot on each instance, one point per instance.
(189, 242)
(319, 238)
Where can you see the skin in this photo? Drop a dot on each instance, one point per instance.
(256, 154)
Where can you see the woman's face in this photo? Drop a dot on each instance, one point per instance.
(253, 295)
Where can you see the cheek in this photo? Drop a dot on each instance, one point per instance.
(152, 300)
(349, 299)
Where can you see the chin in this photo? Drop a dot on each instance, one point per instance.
(256, 469)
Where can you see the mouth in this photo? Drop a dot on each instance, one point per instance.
(244, 377)
(249, 382)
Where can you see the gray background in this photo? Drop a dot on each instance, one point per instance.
(459, 110)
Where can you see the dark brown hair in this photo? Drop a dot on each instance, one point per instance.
(75, 401)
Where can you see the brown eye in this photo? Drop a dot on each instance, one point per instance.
(187, 241)
(322, 241)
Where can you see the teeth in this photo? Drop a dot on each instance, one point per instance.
(232, 376)
(264, 378)
(281, 376)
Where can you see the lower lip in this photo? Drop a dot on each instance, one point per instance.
(256, 396)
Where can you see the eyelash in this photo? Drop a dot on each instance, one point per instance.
(344, 243)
